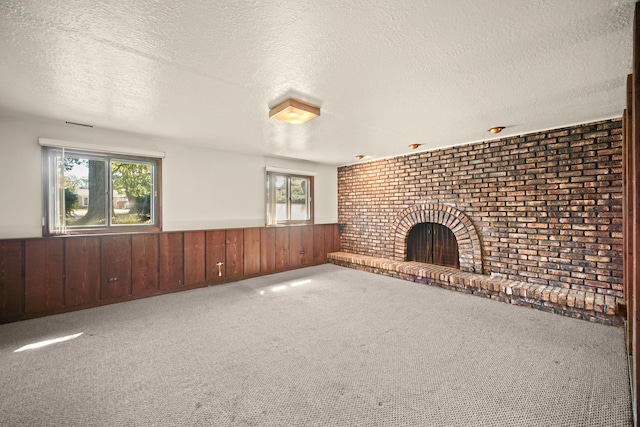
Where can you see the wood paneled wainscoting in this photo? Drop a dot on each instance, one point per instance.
(631, 216)
(44, 276)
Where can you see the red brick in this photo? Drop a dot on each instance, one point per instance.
(556, 195)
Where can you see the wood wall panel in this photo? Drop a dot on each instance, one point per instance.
(627, 209)
(328, 238)
(234, 253)
(215, 253)
(267, 249)
(48, 275)
(633, 191)
(319, 253)
(44, 284)
(282, 248)
(194, 257)
(11, 283)
(115, 268)
(251, 246)
(144, 262)
(295, 246)
(82, 270)
(171, 260)
(306, 244)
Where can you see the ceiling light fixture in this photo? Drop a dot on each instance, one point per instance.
(294, 112)
(414, 146)
(496, 129)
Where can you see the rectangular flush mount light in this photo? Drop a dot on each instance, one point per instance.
(294, 112)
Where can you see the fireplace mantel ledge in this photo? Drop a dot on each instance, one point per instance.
(581, 304)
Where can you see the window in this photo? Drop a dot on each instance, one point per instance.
(94, 191)
(289, 198)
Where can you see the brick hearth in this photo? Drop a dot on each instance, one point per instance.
(582, 304)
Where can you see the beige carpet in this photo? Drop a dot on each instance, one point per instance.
(321, 346)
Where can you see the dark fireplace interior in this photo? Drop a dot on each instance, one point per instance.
(433, 244)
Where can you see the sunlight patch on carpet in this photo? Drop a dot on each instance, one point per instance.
(281, 288)
(47, 342)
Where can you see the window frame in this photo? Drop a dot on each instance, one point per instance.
(51, 189)
(271, 204)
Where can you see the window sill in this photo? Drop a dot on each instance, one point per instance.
(289, 224)
(107, 232)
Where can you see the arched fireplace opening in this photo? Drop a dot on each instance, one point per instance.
(470, 259)
(433, 243)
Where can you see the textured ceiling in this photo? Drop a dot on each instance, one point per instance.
(385, 73)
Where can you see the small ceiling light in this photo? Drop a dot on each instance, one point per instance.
(294, 112)
(414, 146)
(496, 129)
(360, 156)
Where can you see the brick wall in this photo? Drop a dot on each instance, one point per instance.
(547, 206)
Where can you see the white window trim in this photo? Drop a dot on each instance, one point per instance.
(289, 171)
(50, 213)
(72, 145)
(270, 220)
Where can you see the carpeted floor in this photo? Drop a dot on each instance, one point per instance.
(321, 346)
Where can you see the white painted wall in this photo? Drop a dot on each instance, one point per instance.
(201, 188)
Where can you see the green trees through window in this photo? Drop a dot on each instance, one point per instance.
(289, 199)
(98, 191)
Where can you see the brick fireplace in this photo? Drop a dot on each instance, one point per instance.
(542, 208)
(448, 216)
